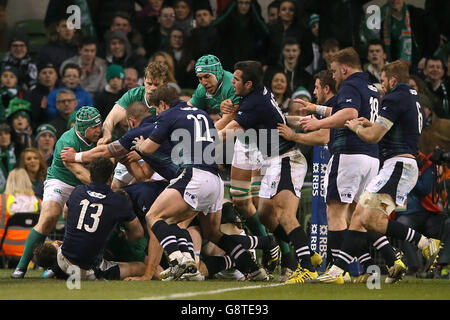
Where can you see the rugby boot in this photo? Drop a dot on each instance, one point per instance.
(285, 273)
(272, 255)
(302, 275)
(316, 260)
(19, 273)
(396, 272)
(258, 275)
(178, 268)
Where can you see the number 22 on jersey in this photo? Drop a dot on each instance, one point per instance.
(198, 132)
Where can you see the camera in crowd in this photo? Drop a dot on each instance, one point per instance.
(440, 156)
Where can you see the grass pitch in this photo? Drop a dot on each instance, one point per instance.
(33, 287)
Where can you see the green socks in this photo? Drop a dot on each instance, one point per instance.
(284, 246)
(255, 226)
(33, 239)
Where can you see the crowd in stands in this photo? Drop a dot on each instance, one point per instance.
(43, 86)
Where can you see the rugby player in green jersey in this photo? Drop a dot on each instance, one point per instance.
(62, 178)
(156, 74)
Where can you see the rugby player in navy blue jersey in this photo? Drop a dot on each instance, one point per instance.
(325, 91)
(345, 182)
(284, 164)
(143, 124)
(396, 130)
(198, 189)
(93, 212)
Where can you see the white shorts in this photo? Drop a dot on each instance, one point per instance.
(107, 269)
(246, 157)
(56, 190)
(348, 175)
(283, 172)
(202, 190)
(121, 173)
(397, 178)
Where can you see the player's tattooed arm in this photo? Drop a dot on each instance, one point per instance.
(116, 150)
(68, 154)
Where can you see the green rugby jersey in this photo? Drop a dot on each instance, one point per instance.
(211, 103)
(135, 94)
(58, 170)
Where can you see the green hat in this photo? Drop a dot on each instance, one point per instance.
(301, 92)
(314, 18)
(115, 70)
(210, 64)
(87, 117)
(45, 128)
(18, 106)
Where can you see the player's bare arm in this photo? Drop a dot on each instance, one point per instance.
(225, 120)
(312, 108)
(134, 230)
(114, 116)
(319, 137)
(369, 133)
(64, 213)
(144, 146)
(141, 172)
(114, 149)
(228, 111)
(226, 106)
(229, 128)
(79, 171)
(154, 255)
(294, 121)
(337, 120)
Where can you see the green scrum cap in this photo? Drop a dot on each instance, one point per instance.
(87, 117)
(210, 64)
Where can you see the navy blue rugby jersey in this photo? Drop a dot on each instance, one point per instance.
(94, 211)
(190, 131)
(143, 194)
(160, 160)
(401, 106)
(356, 92)
(332, 102)
(259, 111)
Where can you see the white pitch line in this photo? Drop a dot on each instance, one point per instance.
(191, 294)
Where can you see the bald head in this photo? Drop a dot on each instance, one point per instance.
(136, 112)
